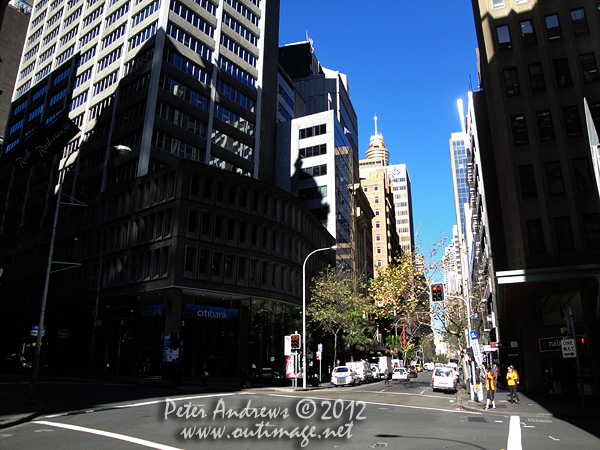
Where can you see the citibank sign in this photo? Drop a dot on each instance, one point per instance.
(151, 312)
(211, 313)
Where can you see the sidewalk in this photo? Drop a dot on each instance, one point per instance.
(534, 406)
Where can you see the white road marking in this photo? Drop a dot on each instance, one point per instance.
(108, 434)
(386, 404)
(514, 434)
(554, 439)
(134, 405)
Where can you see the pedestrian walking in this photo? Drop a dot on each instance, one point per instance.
(512, 380)
(386, 378)
(490, 387)
(548, 382)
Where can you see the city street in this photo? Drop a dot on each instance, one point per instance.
(406, 415)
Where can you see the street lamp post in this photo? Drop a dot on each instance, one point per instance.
(304, 311)
(472, 376)
(62, 168)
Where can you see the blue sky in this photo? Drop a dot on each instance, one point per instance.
(408, 63)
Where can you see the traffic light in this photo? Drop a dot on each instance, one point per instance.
(296, 344)
(581, 342)
(437, 292)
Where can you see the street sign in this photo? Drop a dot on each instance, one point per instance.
(287, 345)
(318, 356)
(568, 348)
(476, 348)
(35, 328)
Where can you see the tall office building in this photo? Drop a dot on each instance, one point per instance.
(317, 154)
(399, 182)
(185, 238)
(538, 62)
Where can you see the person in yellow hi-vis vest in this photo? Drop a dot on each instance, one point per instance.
(512, 380)
(490, 388)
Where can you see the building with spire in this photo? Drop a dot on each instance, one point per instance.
(398, 182)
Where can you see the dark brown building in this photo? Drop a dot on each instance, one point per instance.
(538, 61)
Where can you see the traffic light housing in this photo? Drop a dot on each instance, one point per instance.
(581, 342)
(296, 342)
(437, 292)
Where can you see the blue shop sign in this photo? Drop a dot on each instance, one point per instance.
(151, 312)
(211, 312)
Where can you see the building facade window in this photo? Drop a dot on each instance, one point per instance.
(315, 150)
(591, 225)
(572, 121)
(527, 33)
(527, 181)
(562, 73)
(555, 178)
(536, 77)
(579, 21)
(553, 27)
(535, 237)
(564, 234)
(313, 131)
(589, 67)
(511, 82)
(519, 129)
(583, 176)
(545, 126)
(503, 35)
(498, 4)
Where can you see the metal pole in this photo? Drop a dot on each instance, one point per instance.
(38, 344)
(574, 333)
(95, 317)
(304, 311)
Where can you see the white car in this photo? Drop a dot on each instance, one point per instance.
(444, 378)
(400, 374)
(344, 376)
(376, 373)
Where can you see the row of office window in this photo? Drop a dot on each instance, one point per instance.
(187, 66)
(243, 11)
(554, 30)
(181, 119)
(554, 178)
(312, 131)
(145, 13)
(573, 126)
(239, 29)
(315, 150)
(192, 18)
(207, 264)
(232, 145)
(562, 75)
(189, 41)
(564, 234)
(171, 144)
(184, 92)
(233, 94)
(113, 17)
(314, 171)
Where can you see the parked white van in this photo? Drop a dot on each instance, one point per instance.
(362, 369)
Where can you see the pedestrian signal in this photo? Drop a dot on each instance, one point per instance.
(295, 341)
(437, 292)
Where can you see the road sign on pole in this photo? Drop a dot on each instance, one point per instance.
(568, 348)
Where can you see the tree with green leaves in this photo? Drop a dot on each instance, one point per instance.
(339, 307)
(401, 292)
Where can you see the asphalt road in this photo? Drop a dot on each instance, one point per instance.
(406, 416)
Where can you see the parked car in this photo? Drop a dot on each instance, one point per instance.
(375, 371)
(400, 374)
(362, 369)
(412, 371)
(344, 376)
(444, 378)
(16, 363)
(429, 366)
